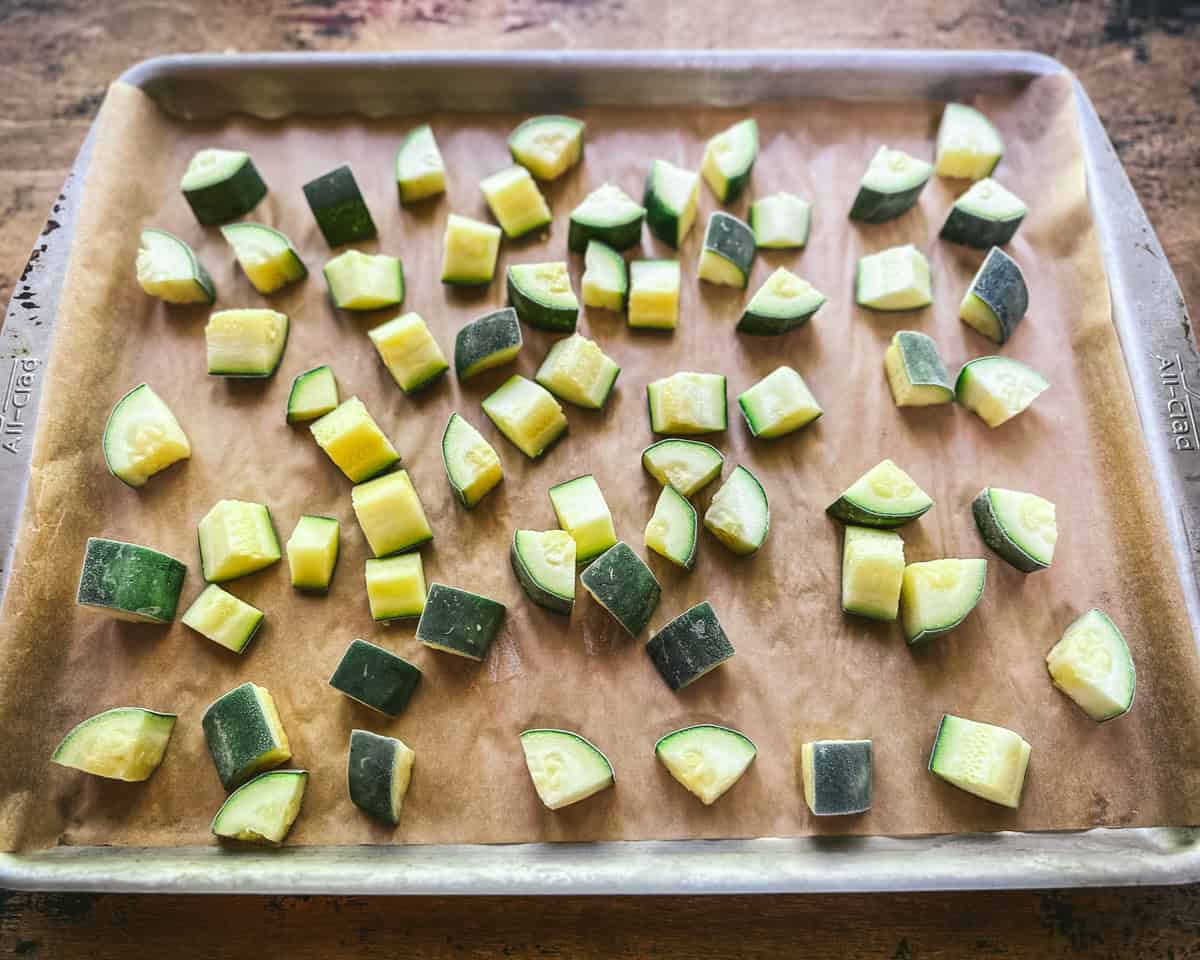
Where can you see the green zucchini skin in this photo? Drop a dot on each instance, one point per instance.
(369, 773)
(376, 678)
(538, 315)
(130, 581)
(534, 590)
(979, 232)
(993, 534)
(732, 240)
(338, 207)
(842, 777)
(238, 736)
(483, 338)
(1001, 286)
(689, 646)
(621, 582)
(875, 206)
(619, 236)
(456, 621)
(849, 512)
(236, 195)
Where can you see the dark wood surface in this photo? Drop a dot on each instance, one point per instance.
(1140, 61)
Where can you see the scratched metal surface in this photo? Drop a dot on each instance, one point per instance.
(1155, 334)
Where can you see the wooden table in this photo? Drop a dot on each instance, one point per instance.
(1140, 62)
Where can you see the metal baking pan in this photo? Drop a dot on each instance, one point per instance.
(1155, 335)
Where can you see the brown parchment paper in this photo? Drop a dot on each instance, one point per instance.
(802, 671)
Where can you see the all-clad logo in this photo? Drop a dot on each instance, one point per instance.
(1181, 414)
(18, 394)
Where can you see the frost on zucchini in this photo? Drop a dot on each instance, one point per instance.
(622, 584)
(690, 646)
(142, 437)
(459, 622)
(997, 299)
(126, 743)
(1091, 665)
(838, 776)
(130, 582)
(728, 251)
(244, 734)
(489, 341)
(379, 770)
(375, 677)
(338, 207)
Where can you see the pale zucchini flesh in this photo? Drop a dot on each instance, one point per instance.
(707, 759)
(872, 572)
(654, 294)
(885, 496)
(314, 394)
(897, 278)
(605, 283)
(564, 767)
(781, 221)
(578, 371)
(420, 171)
(738, 514)
(937, 595)
(728, 159)
(125, 743)
(998, 388)
(544, 563)
(915, 372)
(312, 552)
(236, 539)
(224, 619)
(527, 414)
(1020, 527)
(779, 404)
(983, 759)
(472, 465)
(1091, 664)
(245, 343)
(583, 512)
(265, 255)
(547, 146)
(142, 437)
(515, 201)
(395, 587)
(168, 268)
(263, 810)
(469, 251)
(685, 465)
(409, 352)
(672, 529)
(352, 439)
(687, 403)
(968, 145)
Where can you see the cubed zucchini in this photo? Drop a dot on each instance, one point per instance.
(396, 587)
(515, 201)
(689, 646)
(125, 743)
(527, 414)
(891, 186)
(130, 582)
(390, 513)
(997, 298)
(236, 539)
(469, 252)
(142, 437)
(706, 758)
(263, 810)
(542, 296)
(1091, 665)
(778, 404)
(728, 159)
(622, 584)
(578, 371)
(894, 279)
(688, 403)
(968, 145)
(375, 677)
(365, 281)
(583, 512)
(738, 514)
(312, 552)
(998, 388)
(915, 372)
(544, 562)
(378, 772)
(220, 185)
(936, 596)
(352, 439)
(564, 767)
(458, 622)
(420, 172)
(607, 215)
(784, 302)
(872, 572)
(169, 269)
(339, 208)
(472, 464)
(837, 776)
(672, 530)
(1020, 527)
(547, 146)
(685, 465)
(314, 394)
(244, 734)
(654, 294)
(605, 283)
(987, 215)
(221, 617)
(265, 255)
(670, 201)
(489, 341)
(980, 758)
(409, 352)
(245, 343)
(885, 496)
(781, 221)
(728, 251)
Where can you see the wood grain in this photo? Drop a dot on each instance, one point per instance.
(1139, 61)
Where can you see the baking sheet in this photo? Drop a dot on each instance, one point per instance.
(802, 671)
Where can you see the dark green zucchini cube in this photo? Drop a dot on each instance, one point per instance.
(689, 646)
(339, 208)
(375, 677)
(837, 776)
(622, 584)
(456, 621)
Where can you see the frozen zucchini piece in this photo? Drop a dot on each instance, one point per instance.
(784, 302)
(365, 281)
(469, 252)
(125, 743)
(728, 251)
(515, 201)
(352, 439)
(605, 283)
(420, 172)
(472, 464)
(219, 616)
(997, 298)
(780, 221)
(220, 185)
(915, 372)
(607, 215)
(169, 269)
(987, 215)
(547, 146)
(409, 352)
(968, 145)
(245, 343)
(654, 294)
(1091, 665)
(130, 582)
(312, 552)
(314, 394)
(738, 514)
(872, 572)
(236, 539)
(687, 402)
(265, 255)
(998, 388)
(379, 770)
(339, 208)
(622, 584)
(670, 201)
(837, 776)
(578, 371)
(244, 734)
(690, 646)
(685, 465)
(897, 278)
(778, 404)
(142, 437)
(458, 622)
(728, 159)
(390, 514)
(263, 810)
(527, 414)
(542, 296)
(1019, 526)
(396, 587)
(980, 758)
(891, 186)
(489, 341)
(937, 595)
(583, 512)
(673, 528)
(544, 562)
(885, 496)
(565, 768)
(375, 677)
(706, 758)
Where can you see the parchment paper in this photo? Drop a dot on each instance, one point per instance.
(802, 670)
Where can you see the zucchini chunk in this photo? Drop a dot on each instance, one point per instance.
(396, 587)
(130, 582)
(622, 584)
(472, 464)
(375, 677)
(670, 201)
(339, 208)
(314, 394)
(885, 496)
(542, 296)
(547, 146)
(583, 512)
(936, 596)
(915, 372)
(490, 341)
(982, 759)
(654, 294)
(409, 352)
(738, 514)
(390, 513)
(891, 186)
(527, 414)
(263, 810)
(728, 251)
(778, 404)
(565, 768)
(469, 252)
(837, 776)
(266, 256)
(378, 772)
(672, 530)
(515, 201)
(872, 572)
(247, 344)
(784, 302)
(997, 298)
(221, 184)
(169, 269)
(219, 616)
(706, 758)
(364, 281)
(728, 159)
(968, 146)
(142, 437)
(687, 403)
(1091, 665)
(352, 439)
(894, 279)
(608, 215)
(781, 221)
(689, 646)
(1019, 526)
(685, 465)
(244, 734)
(578, 371)
(312, 552)
(998, 388)
(987, 215)
(236, 539)
(420, 172)
(125, 743)
(605, 282)
(455, 621)
(544, 562)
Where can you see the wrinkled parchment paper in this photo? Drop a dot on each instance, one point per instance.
(802, 670)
